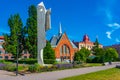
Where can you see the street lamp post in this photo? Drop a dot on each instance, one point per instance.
(17, 55)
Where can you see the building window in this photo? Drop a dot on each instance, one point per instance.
(0, 52)
(1, 57)
(64, 50)
(25, 57)
(61, 51)
(6, 57)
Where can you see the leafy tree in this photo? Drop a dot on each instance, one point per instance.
(48, 54)
(30, 31)
(85, 51)
(99, 53)
(11, 40)
(96, 43)
(77, 56)
(82, 55)
(96, 46)
(110, 54)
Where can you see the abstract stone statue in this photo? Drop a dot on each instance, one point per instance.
(43, 24)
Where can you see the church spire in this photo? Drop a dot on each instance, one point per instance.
(60, 29)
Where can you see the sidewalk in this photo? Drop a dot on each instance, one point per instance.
(55, 75)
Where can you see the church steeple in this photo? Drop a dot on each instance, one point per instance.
(60, 29)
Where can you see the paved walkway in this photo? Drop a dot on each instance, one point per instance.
(55, 75)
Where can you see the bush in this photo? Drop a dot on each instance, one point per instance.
(49, 61)
(23, 61)
(9, 67)
(2, 61)
(2, 66)
(28, 61)
(22, 67)
(34, 68)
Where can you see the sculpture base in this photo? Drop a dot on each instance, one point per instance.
(40, 57)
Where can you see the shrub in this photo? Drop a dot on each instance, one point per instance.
(49, 61)
(22, 67)
(9, 67)
(28, 61)
(2, 61)
(2, 66)
(34, 68)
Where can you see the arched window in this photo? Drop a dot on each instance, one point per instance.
(64, 49)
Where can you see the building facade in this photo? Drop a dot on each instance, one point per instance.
(63, 47)
(9, 56)
(86, 43)
(3, 53)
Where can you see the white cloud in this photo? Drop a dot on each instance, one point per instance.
(114, 25)
(117, 40)
(109, 34)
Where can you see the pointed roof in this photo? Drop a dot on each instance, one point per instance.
(57, 38)
(86, 38)
(2, 37)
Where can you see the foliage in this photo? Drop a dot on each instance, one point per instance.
(110, 74)
(82, 55)
(2, 66)
(30, 31)
(34, 68)
(28, 61)
(100, 53)
(49, 54)
(11, 40)
(110, 54)
(9, 66)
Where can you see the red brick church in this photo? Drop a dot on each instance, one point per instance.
(63, 46)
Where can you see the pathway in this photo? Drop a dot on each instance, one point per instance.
(55, 75)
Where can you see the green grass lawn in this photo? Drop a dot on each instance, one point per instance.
(93, 64)
(110, 74)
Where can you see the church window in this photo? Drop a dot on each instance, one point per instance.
(64, 50)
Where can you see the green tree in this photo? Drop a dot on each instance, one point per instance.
(96, 47)
(96, 43)
(111, 54)
(11, 40)
(77, 56)
(82, 55)
(48, 54)
(30, 31)
(99, 53)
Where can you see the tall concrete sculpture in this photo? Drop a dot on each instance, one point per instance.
(43, 24)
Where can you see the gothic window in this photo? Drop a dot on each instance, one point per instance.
(61, 51)
(64, 50)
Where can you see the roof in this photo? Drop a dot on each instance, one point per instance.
(73, 45)
(55, 40)
(2, 37)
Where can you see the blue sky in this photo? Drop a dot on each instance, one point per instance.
(99, 18)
